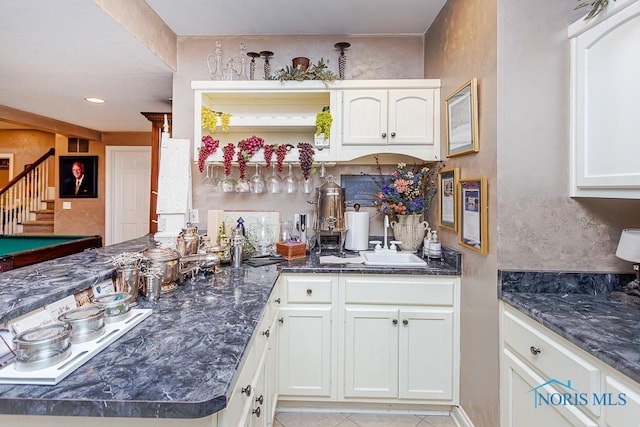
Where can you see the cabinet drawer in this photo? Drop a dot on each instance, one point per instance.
(399, 290)
(309, 290)
(552, 359)
(621, 413)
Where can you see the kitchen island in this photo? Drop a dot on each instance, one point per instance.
(181, 362)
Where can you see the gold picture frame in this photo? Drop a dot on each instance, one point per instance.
(462, 120)
(472, 207)
(447, 199)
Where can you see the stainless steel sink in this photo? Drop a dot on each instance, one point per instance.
(392, 259)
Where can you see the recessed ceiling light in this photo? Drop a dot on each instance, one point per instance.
(94, 100)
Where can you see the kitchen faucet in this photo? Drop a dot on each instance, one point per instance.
(386, 225)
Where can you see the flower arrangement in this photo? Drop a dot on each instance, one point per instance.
(409, 191)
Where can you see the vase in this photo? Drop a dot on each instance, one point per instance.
(409, 230)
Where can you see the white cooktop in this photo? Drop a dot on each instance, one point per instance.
(80, 353)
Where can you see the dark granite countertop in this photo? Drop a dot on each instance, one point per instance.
(178, 363)
(588, 309)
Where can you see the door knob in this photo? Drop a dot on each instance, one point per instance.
(395, 321)
(405, 322)
(393, 134)
(534, 350)
(246, 390)
(309, 291)
(384, 134)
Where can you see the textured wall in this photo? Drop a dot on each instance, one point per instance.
(540, 227)
(461, 44)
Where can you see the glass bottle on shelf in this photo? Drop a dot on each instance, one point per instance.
(242, 73)
(214, 62)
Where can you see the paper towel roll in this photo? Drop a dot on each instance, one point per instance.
(357, 238)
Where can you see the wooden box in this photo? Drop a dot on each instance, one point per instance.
(291, 250)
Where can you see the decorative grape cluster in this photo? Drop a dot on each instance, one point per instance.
(225, 118)
(228, 151)
(268, 153)
(305, 157)
(323, 123)
(209, 119)
(209, 147)
(281, 152)
(247, 148)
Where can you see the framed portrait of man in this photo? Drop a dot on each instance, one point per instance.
(78, 176)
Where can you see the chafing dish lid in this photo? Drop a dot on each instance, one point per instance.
(161, 254)
(44, 334)
(87, 312)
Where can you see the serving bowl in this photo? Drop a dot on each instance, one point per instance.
(43, 346)
(87, 322)
(116, 306)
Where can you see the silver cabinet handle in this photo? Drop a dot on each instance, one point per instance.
(395, 321)
(256, 412)
(405, 322)
(534, 350)
(384, 134)
(309, 291)
(246, 390)
(393, 134)
(266, 333)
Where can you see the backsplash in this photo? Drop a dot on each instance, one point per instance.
(561, 282)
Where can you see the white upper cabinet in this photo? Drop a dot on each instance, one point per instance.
(397, 117)
(369, 116)
(605, 130)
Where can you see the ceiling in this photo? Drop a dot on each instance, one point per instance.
(56, 53)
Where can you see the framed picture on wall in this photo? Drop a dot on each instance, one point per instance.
(462, 120)
(447, 212)
(472, 205)
(78, 176)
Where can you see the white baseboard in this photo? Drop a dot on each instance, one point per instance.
(460, 417)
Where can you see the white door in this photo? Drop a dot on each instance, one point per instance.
(371, 352)
(128, 188)
(426, 354)
(304, 353)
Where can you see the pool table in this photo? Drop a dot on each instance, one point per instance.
(18, 250)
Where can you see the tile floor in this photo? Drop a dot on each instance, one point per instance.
(325, 419)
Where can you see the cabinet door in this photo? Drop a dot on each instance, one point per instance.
(364, 118)
(304, 351)
(371, 352)
(426, 354)
(518, 404)
(411, 118)
(271, 374)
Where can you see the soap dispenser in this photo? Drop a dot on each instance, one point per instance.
(435, 248)
(426, 243)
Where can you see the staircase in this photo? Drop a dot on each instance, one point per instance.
(24, 203)
(43, 222)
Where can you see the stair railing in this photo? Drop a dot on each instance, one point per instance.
(24, 194)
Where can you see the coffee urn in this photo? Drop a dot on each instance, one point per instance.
(328, 220)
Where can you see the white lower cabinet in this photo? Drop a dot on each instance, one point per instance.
(547, 381)
(306, 341)
(401, 352)
(305, 348)
(398, 353)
